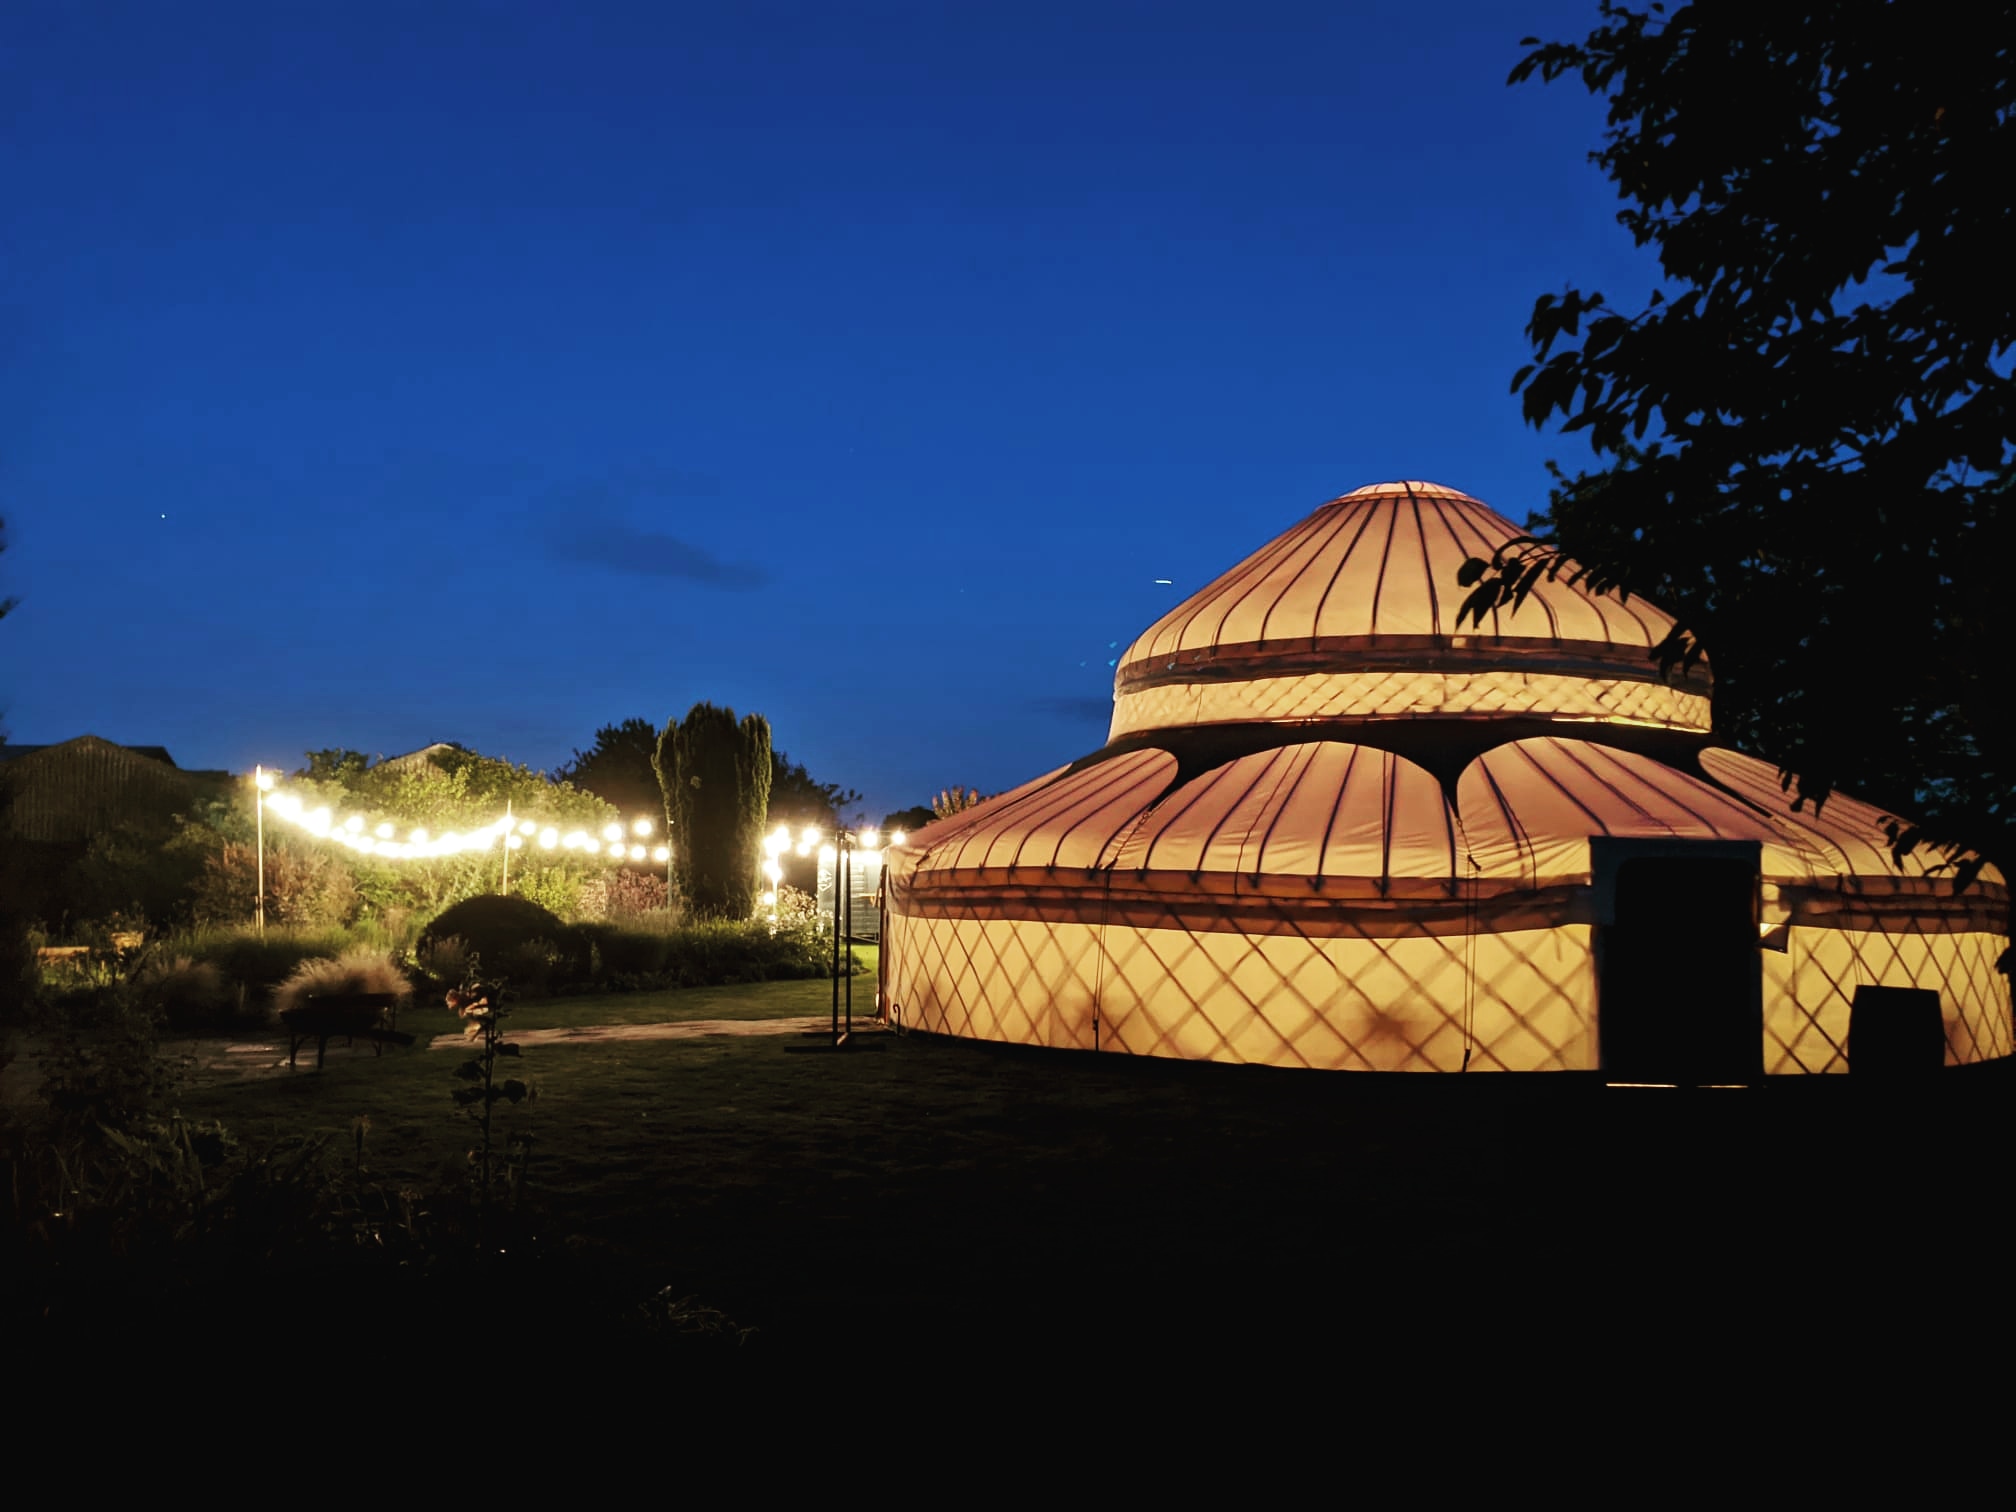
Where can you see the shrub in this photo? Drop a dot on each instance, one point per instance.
(532, 969)
(256, 963)
(308, 889)
(187, 994)
(495, 927)
(630, 892)
(557, 889)
(709, 955)
(446, 962)
(355, 971)
(621, 951)
(490, 924)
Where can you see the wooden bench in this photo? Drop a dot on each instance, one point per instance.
(370, 1016)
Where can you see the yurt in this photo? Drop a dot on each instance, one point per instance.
(1333, 828)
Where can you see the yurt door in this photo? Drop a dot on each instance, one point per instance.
(1680, 985)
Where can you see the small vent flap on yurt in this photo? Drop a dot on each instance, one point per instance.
(1353, 614)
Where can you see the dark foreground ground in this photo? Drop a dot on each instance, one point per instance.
(934, 1208)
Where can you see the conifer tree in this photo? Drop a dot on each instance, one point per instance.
(715, 772)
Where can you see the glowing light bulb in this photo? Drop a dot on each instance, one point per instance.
(636, 853)
(612, 832)
(354, 824)
(593, 847)
(383, 832)
(773, 871)
(869, 838)
(897, 838)
(663, 853)
(515, 842)
(418, 837)
(809, 835)
(641, 827)
(264, 779)
(768, 900)
(527, 827)
(549, 837)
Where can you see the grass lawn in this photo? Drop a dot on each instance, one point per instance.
(959, 1201)
(747, 1000)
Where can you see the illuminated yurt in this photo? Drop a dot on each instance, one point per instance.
(1332, 828)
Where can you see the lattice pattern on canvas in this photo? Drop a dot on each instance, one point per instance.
(1278, 1000)
(1408, 694)
(1809, 990)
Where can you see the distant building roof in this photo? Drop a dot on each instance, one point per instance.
(422, 757)
(13, 752)
(68, 793)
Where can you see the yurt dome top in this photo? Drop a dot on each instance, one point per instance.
(1352, 614)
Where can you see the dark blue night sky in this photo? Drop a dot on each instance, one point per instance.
(374, 375)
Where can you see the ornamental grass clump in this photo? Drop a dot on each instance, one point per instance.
(354, 972)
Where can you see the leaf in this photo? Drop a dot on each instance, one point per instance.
(504, 1047)
(467, 1095)
(469, 1070)
(515, 1090)
(1471, 570)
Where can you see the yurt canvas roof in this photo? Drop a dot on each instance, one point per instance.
(1354, 613)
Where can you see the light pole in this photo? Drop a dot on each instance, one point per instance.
(262, 783)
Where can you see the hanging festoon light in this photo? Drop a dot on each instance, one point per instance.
(508, 832)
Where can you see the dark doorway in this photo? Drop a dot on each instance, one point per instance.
(1680, 991)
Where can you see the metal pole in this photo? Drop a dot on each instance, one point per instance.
(847, 859)
(505, 888)
(836, 943)
(259, 806)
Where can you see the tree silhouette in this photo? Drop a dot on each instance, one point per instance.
(1804, 440)
(797, 798)
(715, 771)
(617, 769)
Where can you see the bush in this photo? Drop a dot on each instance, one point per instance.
(260, 964)
(708, 955)
(446, 963)
(305, 889)
(533, 969)
(355, 971)
(501, 931)
(188, 994)
(622, 951)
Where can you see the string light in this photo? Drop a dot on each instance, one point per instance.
(419, 845)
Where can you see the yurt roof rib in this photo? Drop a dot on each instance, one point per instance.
(1309, 537)
(1255, 567)
(1197, 789)
(1337, 803)
(1484, 546)
(1056, 813)
(1083, 808)
(1287, 770)
(1421, 534)
(1288, 584)
(1316, 619)
(1521, 842)
(1533, 761)
(1371, 807)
